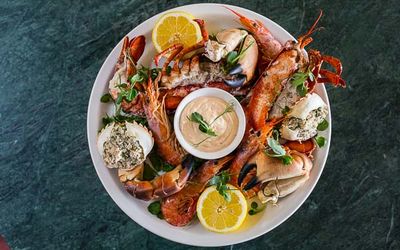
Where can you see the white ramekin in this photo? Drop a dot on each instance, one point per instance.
(214, 92)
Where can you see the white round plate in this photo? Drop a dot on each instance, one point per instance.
(217, 17)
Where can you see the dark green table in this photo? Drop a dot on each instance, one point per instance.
(50, 196)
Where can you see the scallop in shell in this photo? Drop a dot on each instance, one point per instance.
(124, 145)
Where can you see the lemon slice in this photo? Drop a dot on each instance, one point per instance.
(218, 215)
(175, 27)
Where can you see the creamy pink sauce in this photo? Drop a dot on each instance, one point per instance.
(226, 126)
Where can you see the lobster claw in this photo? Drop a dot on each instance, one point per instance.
(136, 47)
(244, 172)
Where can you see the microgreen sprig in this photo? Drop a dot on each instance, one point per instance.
(155, 209)
(298, 80)
(233, 57)
(323, 125)
(320, 140)
(278, 151)
(255, 208)
(220, 180)
(228, 109)
(203, 125)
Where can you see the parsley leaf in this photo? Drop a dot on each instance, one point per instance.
(285, 110)
(131, 94)
(302, 90)
(149, 173)
(119, 99)
(158, 163)
(154, 73)
(140, 76)
(203, 125)
(212, 36)
(106, 98)
(169, 69)
(323, 125)
(276, 147)
(255, 209)
(320, 140)
(167, 167)
(220, 180)
(233, 57)
(298, 80)
(278, 151)
(155, 209)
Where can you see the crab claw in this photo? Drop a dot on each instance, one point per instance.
(269, 169)
(188, 164)
(244, 171)
(236, 82)
(244, 70)
(251, 183)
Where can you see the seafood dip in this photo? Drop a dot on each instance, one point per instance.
(217, 120)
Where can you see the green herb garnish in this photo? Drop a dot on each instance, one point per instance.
(106, 98)
(167, 167)
(121, 85)
(155, 209)
(129, 92)
(228, 109)
(323, 125)
(278, 151)
(158, 163)
(212, 36)
(154, 73)
(255, 209)
(320, 140)
(200, 142)
(275, 134)
(285, 110)
(203, 125)
(140, 76)
(220, 180)
(233, 57)
(168, 70)
(298, 80)
(121, 118)
(149, 172)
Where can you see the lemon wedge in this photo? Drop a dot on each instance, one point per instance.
(217, 214)
(175, 27)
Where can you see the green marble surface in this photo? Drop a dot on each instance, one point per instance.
(50, 196)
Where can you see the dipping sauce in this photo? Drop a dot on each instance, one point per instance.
(224, 126)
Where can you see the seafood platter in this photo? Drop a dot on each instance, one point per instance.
(210, 125)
